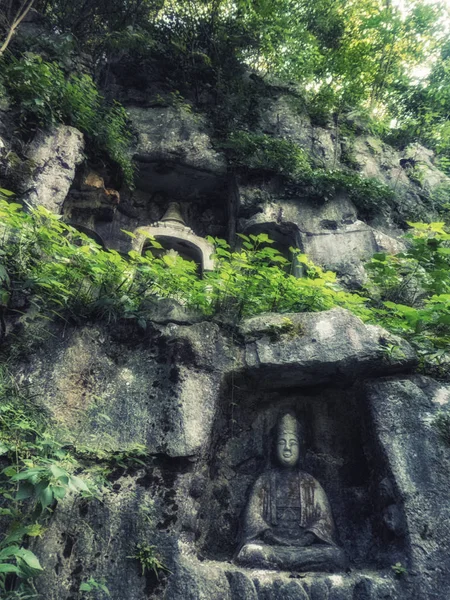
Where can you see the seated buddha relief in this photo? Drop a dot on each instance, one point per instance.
(288, 524)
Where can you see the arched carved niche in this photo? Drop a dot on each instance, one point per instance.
(173, 234)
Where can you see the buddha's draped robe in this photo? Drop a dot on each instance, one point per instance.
(266, 509)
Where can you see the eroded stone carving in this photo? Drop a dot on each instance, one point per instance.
(288, 522)
(174, 234)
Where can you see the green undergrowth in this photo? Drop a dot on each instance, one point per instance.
(410, 294)
(45, 95)
(264, 153)
(149, 560)
(61, 273)
(36, 473)
(56, 272)
(50, 270)
(41, 465)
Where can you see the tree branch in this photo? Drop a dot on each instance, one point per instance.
(15, 24)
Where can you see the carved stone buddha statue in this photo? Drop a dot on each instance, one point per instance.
(288, 521)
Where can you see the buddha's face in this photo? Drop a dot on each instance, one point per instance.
(287, 449)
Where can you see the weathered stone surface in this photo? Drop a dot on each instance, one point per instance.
(286, 118)
(54, 156)
(177, 134)
(403, 412)
(90, 202)
(292, 591)
(98, 538)
(328, 346)
(166, 404)
(330, 232)
(175, 154)
(206, 421)
(241, 586)
(196, 581)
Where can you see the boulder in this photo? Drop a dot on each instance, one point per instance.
(318, 348)
(174, 153)
(52, 159)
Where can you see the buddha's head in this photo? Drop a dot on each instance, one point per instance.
(288, 442)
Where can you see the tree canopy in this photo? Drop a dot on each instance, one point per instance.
(347, 54)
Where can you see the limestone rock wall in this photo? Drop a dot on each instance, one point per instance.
(178, 158)
(204, 400)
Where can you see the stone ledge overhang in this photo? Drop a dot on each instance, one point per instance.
(332, 346)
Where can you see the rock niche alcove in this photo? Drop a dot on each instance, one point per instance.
(338, 448)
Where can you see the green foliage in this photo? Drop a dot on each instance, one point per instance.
(149, 559)
(286, 327)
(399, 569)
(410, 293)
(369, 195)
(131, 457)
(45, 97)
(26, 564)
(266, 153)
(37, 472)
(360, 56)
(91, 586)
(19, 423)
(46, 482)
(93, 23)
(262, 152)
(67, 275)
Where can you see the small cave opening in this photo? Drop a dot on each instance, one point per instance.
(284, 238)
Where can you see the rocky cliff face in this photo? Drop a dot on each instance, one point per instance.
(203, 398)
(204, 402)
(177, 159)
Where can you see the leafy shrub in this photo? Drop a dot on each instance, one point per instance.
(369, 195)
(410, 294)
(92, 586)
(67, 275)
(266, 153)
(40, 466)
(45, 97)
(36, 467)
(399, 569)
(149, 559)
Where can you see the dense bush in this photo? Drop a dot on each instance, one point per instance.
(37, 472)
(266, 153)
(45, 96)
(410, 293)
(369, 195)
(40, 466)
(261, 152)
(67, 275)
